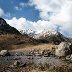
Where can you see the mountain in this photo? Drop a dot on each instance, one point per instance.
(29, 32)
(11, 38)
(7, 29)
(48, 36)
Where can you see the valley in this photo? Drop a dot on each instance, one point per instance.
(48, 51)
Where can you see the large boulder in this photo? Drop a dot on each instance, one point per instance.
(63, 49)
(4, 53)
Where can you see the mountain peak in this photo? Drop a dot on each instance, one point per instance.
(49, 36)
(6, 28)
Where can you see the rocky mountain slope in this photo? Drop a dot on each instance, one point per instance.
(46, 36)
(5, 28)
(11, 38)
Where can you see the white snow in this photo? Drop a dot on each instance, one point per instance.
(38, 34)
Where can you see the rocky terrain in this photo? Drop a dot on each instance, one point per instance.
(48, 51)
(57, 59)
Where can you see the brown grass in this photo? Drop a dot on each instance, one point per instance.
(14, 42)
(31, 47)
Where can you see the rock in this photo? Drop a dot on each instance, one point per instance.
(49, 52)
(45, 53)
(35, 52)
(63, 49)
(16, 54)
(16, 63)
(68, 57)
(23, 65)
(71, 57)
(52, 51)
(31, 53)
(41, 51)
(4, 53)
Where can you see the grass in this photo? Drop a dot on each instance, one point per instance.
(31, 47)
(48, 68)
(12, 41)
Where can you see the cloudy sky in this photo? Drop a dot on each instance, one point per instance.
(38, 14)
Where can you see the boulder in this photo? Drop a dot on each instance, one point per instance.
(45, 53)
(63, 49)
(4, 53)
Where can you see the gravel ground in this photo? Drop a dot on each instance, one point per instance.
(27, 61)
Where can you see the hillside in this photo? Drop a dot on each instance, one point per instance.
(9, 37)
(50, 36)
(7, 29)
